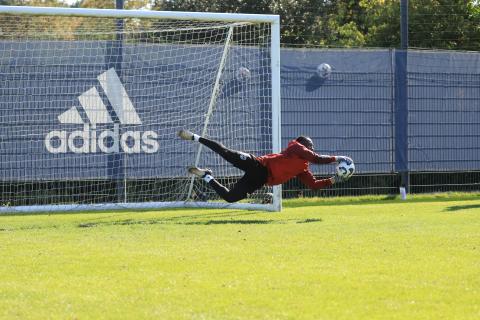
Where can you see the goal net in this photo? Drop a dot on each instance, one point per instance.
(91, 102)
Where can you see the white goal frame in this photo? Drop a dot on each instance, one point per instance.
(274, 22)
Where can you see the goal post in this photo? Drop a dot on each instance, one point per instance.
(90, 108)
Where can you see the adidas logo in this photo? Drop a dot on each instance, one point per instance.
(89, 140)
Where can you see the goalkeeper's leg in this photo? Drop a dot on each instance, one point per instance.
(250, 182)
(240, 160)
(238, 192)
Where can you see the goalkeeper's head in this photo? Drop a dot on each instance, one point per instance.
(306, 141)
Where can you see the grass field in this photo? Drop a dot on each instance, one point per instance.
(353, 258)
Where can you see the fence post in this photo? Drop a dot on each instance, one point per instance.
(114, 59)
(401, 100)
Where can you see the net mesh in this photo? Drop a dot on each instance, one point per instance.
(90, 107)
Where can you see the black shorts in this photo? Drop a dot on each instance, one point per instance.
(255, 176)
(255, 173)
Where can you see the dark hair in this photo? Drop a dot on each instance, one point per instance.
(306, 141)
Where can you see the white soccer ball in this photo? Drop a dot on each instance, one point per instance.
(345, 170)
(243, 74)
(324, 70)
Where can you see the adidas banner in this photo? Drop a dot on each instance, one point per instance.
(69, 110)
(96, 113)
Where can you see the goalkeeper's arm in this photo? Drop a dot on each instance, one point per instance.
(309, 180)
(311, 156)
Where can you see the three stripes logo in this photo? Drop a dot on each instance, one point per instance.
(89, 140)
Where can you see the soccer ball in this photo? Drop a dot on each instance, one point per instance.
(324, 70)
(243, 74)
(345, 170)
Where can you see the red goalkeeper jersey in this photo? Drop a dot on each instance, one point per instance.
(293, 162)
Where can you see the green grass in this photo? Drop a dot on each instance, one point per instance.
(353, 258)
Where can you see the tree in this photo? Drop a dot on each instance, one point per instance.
(345, 23)
(446, 24)
(300, 19)
(110, 4)
(34, 27)
(382, 23)
(303, 22)
(38, 3)
(443, 24)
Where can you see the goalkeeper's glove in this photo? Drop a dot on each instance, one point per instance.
(337, 179)
(348, 160)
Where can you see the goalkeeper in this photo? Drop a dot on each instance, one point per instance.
(270, 169)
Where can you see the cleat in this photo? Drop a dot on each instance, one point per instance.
(199, 172)
(185, 135)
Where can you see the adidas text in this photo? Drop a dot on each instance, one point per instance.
(89, 140)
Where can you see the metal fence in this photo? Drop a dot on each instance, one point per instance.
(356, 112)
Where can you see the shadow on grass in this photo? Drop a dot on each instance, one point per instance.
(234, 217)
(178, 221)
(232, 222)
(168, 221)
(201, 218)
(108, 219)
(464, 207)
(181, 219)
(309, 220)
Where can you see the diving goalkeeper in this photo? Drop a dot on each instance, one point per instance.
(270, 169)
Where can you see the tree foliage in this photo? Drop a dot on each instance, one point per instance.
(110, 4)
(446, 24)
(35, 3)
